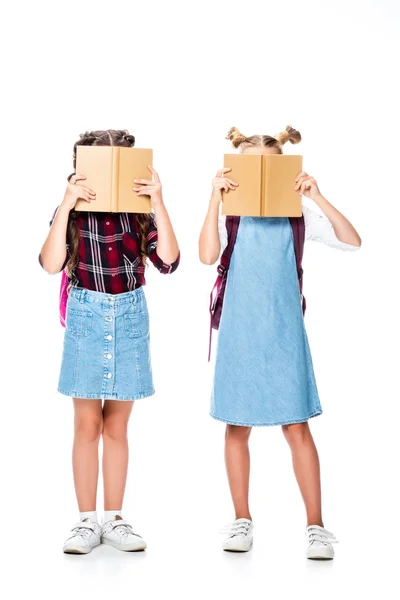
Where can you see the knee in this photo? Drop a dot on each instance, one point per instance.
(89, 429)
(295, 433)
(237, 433)
(115, 429)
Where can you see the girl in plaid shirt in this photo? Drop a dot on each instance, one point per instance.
(106, 351)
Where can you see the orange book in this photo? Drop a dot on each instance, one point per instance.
(265, 187)
(110, 172)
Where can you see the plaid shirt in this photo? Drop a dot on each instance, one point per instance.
(109, 259)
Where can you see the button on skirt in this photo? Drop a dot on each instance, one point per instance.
(106, 348)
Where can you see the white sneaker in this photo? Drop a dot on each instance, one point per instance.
(320, 542)
(240, 535)
(85, 536)
(120, 534)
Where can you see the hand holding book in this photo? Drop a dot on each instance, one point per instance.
(150, 188)
(222, 183)
(305, 184)
(76, 190)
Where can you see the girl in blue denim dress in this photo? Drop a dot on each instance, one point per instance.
(106, 362)
(263, 371)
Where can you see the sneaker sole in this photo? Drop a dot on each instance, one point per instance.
(319, 556)
(80, 550)
(238, 549)
(124, 548)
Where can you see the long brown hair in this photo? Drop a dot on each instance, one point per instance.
(108, 137)
(239, 140)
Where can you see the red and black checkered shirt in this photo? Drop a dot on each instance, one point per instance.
(109, 259)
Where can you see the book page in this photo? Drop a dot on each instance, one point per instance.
(279, 199)
(96, 163)
(245, 200)
(133, 165)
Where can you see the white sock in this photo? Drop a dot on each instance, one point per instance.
(91, 514)
(110, 515)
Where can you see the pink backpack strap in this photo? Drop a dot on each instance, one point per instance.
(63, 297)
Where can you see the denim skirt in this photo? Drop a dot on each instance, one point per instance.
(106, 349)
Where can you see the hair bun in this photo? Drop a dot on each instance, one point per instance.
(289, 135)
(235, 136)
(128, 137)
(87, 138)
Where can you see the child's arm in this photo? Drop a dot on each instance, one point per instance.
(167, 245)
(341, 228)
(209, 240)
(152, 250)
(53, 255)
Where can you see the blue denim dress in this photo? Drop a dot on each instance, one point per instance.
(106, 351)
(263, 371)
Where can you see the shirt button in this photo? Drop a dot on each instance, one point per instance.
(107, 222)
(110, 247)
(109, 375)
(108, 337)
(109, 355)
(112, 274)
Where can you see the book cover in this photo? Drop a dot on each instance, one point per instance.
(110, 171)
(266, 185)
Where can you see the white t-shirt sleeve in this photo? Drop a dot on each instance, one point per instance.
(318, 228)
(223, 235)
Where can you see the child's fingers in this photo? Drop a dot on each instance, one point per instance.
(300, 181)
(224, 180)
(301, 174)
(85, 197)
(77, 177)
(88, 190)
(146, 189)
(144, 181)
(155, 174)
(305, 186)
(221, 172)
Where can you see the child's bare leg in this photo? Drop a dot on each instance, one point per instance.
(237, 460)
(88, 424)
(306, 468)
(116, 415)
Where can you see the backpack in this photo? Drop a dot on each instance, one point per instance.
(218, 291)
(63, 297)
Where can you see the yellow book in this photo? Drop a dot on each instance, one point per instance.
(110, 172)
(265, 187)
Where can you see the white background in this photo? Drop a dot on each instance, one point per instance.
(178, 75)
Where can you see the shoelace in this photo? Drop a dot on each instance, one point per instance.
(316, 534)
(83, 530)
(234, 528)
(125, 530)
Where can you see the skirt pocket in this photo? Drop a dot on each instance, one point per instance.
(136, 325)
(79, 322)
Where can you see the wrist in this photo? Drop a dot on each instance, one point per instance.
(319, 198)
(65, 207)
(158, 203)
(215, 199)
